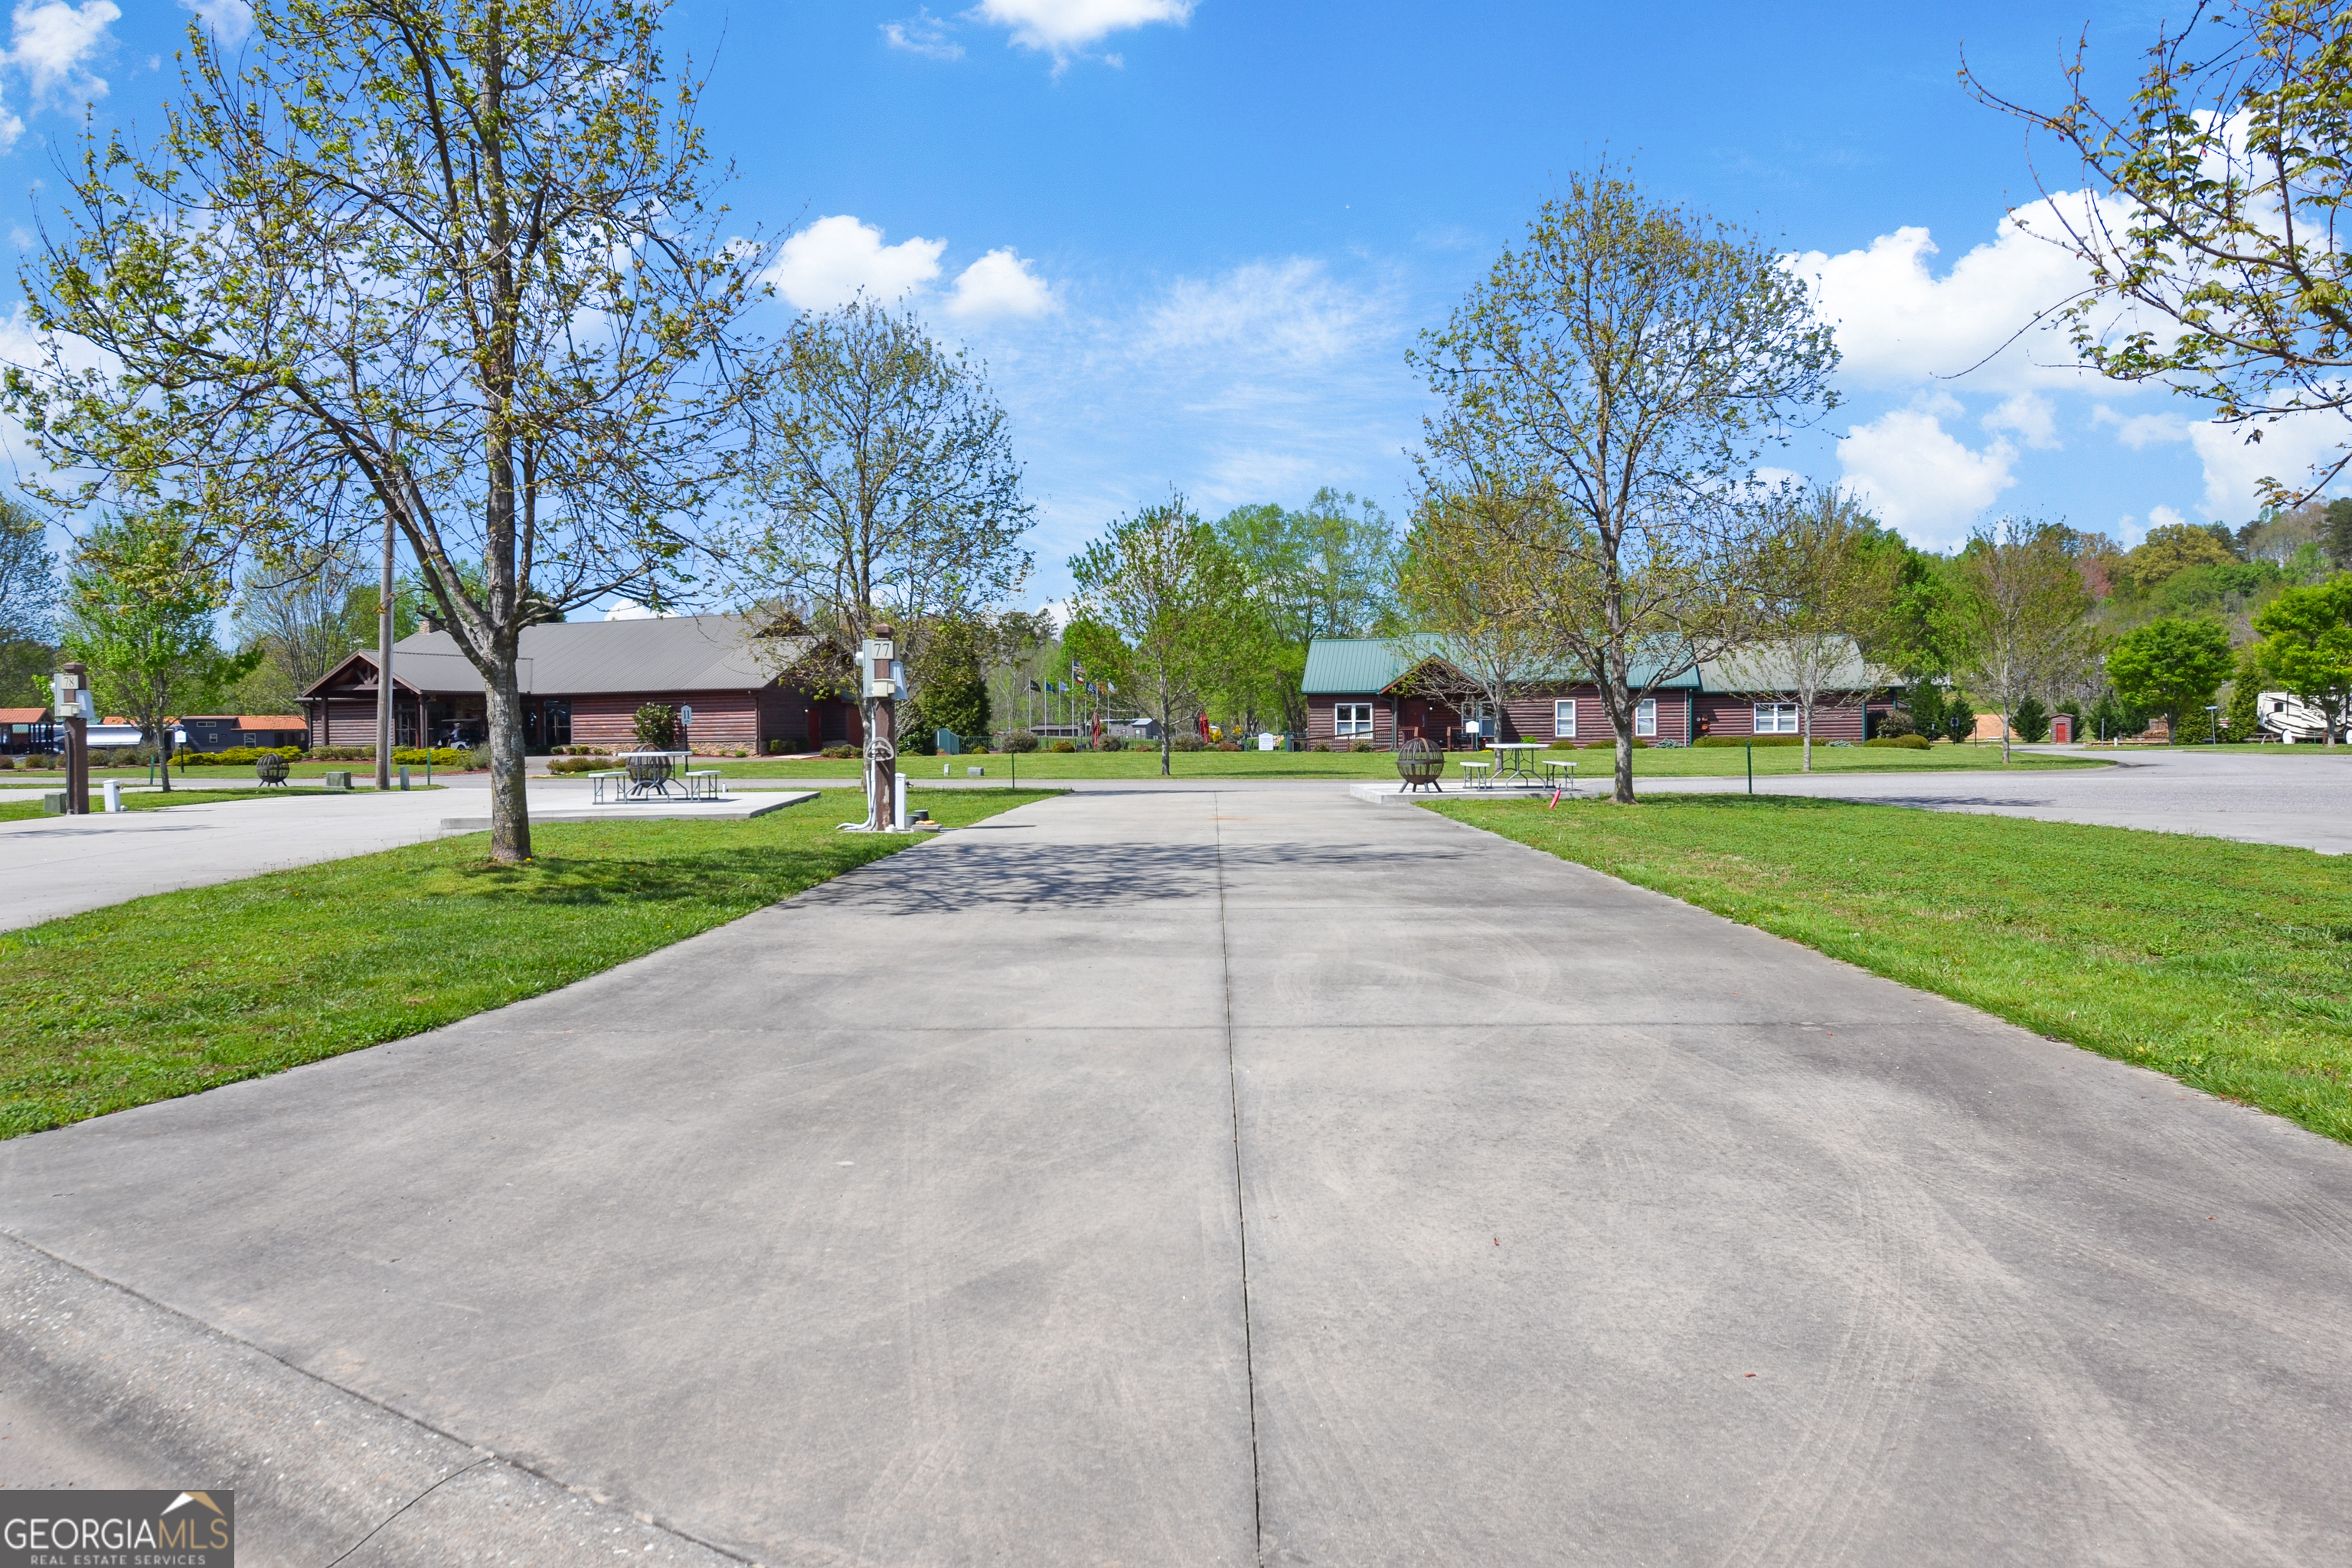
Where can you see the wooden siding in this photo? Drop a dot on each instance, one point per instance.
(1839, 720)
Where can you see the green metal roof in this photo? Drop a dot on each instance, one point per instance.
(1343, 667)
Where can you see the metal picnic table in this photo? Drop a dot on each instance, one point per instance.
(1514, 760)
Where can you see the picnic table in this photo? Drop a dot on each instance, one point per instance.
(1513, 759)
(1559, 776)
(648, 773)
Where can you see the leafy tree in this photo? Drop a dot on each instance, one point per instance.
(884, 487)
(1328, 571)
(28, 587)
(2225, 216)
(1613, 381)
(2113, 717)
(951, 678)
(2242, 715)
(2308, 647)
(2175, 547)
(455, 254)
(1162, 607)
(1452, 584)
(2016, 622)
(657, 726)
(2171, 666)
(2339, 533)
(140, 605)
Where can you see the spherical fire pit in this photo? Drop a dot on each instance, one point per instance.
(1420, 764)
(270, 768)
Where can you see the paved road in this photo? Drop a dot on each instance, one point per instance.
(1219, 1179)
(2303, 798)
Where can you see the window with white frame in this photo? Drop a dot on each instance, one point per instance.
(1645, 717)
(1352, 720)
(1776, 719)
(1563, 719)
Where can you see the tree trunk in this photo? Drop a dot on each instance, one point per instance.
(509, 817)
(1806, 719)
(1621, 718)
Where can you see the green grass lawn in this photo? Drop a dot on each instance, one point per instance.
(157, 800)
(2227, 965)
(1680, 762)
(170, 994)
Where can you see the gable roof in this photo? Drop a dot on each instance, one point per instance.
(673, 653)
(1342, 666)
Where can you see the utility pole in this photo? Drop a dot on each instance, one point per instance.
(384, 666)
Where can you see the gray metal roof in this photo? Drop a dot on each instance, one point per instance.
(674, 653)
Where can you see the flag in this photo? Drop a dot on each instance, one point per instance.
(1032, 685)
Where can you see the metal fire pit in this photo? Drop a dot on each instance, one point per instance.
(270, 768)
(1420, 764)
(649, 772)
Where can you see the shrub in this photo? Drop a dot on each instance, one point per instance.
(1187, 743)
(238, 756)
(1232, 746)
(1110, 743)
(576, 764)
(1747, 740)
(838, 750)
(1020, 741)
(1907, 742)
(1363, 746)
(341, 753)
(7, 765)
(657, 727)
(1319, 746)
(1062, 745)
(2031, 721)
(1897, 724)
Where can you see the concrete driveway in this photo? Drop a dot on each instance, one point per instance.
(1204, 1179)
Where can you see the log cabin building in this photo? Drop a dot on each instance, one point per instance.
(1381, 690)
(582, 683)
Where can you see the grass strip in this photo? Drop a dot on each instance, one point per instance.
(181, 992)
(158, 800)
(2227, 965)
(1592, 762)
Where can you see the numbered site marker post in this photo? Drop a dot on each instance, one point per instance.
(879, 675)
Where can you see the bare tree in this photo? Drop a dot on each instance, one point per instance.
(1822, 582)
(455, 254)
(1616, 378)
(1473, 596)
(2019, 616)
(883, 486)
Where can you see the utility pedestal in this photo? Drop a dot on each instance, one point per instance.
(70, 701)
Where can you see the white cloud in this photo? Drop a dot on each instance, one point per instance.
(2141, 431)
(2287, 451)
(230, 20)
(2164, 517)
(999, 284)
(1918, 478)
(837, 258)
(53, 42)
(1288, 310)
(1064, 28)
(2030, 416)
(922, 33)
(1898, 323)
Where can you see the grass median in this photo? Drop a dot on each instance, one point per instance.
(181, 992)
(2227, 965)
(1592, 762)
(159, 800)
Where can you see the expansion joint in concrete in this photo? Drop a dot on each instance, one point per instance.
(1241, 1205)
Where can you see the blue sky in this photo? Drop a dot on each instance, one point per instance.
(1193, 239)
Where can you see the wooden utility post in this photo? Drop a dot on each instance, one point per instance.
(383, 667)
(70, 695)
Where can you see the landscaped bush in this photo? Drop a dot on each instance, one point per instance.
(1187, 743)
(1020, 740)
(1749, 740)
(1906, 742)
(1064, 745)
(1363, 746)
(838, 750)
(7, 765)
(1227, 746)
(580, 752)
(343, 753)
(1319, 746)
(657, 727)
(238, 756)
(1897, 723)
(576, 764)
(2031, 721)
(1111, 743)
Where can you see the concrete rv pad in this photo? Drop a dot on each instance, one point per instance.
(1225, 1178)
